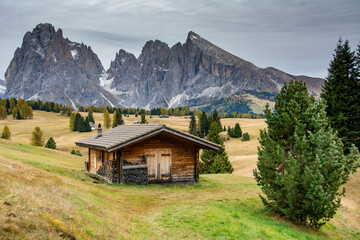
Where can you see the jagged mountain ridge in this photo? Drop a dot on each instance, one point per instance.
(52, 68)
(196, 71)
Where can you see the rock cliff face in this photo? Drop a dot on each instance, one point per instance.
(189, 73)
(52, 68)
(2, 88)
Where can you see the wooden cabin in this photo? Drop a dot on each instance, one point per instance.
(145, 153)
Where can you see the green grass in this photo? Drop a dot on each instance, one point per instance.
(52, 198)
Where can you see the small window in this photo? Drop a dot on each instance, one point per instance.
(165, 155)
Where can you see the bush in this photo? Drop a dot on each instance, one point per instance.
(50, 143)
(77, 152)
(245, 137)
(6, 133)
(37, 137)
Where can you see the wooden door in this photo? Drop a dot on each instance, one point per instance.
(159, 164)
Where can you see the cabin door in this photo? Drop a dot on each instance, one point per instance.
(159, 164)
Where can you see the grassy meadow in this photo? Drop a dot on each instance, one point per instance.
(44, 194)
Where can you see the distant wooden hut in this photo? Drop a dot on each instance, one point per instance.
(144, 154)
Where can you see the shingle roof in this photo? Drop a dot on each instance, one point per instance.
(124, 135)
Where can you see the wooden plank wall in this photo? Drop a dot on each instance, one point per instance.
(100, 156)
(183, 154)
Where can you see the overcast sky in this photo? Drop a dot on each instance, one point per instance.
(295, 36)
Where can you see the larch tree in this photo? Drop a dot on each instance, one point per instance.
(301, 163)
(3, 112)
(107, 120)
(6, 133)
(341, 92)
(37, 137)
(143, 119)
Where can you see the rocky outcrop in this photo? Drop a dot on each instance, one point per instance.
(2, 88)
(189, 73)
(51, 68)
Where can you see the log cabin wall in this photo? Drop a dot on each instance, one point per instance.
(183, 155)
(101, 162)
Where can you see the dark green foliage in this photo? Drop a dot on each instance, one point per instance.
(216, 118)
(50, 143)
(77, 152)
(3, 112)
(91, 117)
(245, 137)
(18, 114)
(204, 124)
(6, 133)
(224, 130)
(37, 137)
(341, 92)
(143, 119)
(117, 119)
(213, 162)
(301, 165)
(193, 126)
(235, 132)
(224, 105)
(77, 120)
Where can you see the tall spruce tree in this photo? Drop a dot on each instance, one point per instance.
(91, 117)
(237, 131)
(204, 124)
(213, 162)
(193, 126)
(143, 119)
(77, 120)
(301, 164)
(216, 118)
(341, 91)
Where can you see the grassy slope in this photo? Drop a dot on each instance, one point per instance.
(50, 196)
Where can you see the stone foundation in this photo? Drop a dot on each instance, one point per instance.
(135, 174)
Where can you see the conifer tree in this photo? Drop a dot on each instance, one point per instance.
(24, 112)
(50, 143)
(14, 112)
(37, 137)
(301, 165)
(18, 114)
(6, 133)
(341, 92)
(31, 113)
(193, 126)
(3, 112)
(204, 124)
(69, 111)
(143, 119)
(91, 117)
(87, 125)
(246, 137)
(213, 162)
(107, 120)
(82, 125)
(77, 120)
(117, 119)
(72, 122)
(237, 131)
(216, 118)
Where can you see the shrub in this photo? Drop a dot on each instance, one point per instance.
(6, 133)
(37, 137)
(245, 137)
(50, 143)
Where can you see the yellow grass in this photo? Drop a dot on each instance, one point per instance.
(49, 186)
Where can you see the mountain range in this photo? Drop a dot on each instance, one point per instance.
(50, 67)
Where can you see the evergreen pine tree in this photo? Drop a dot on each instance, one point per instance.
(213, 162)
(50, 143)
(82, 125)
(216, 118)
(91, 117)
(143, 119)
(119, 119)
(87, 125)
(341, 92)
(301, 165)
(6, 133)
(77, 121)
(237, 131)
(246, 137)
(107, 120)
(18, 114)
(14, 112)
(203, 125)
(193, 126)
(224, 129)
(37, 137)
